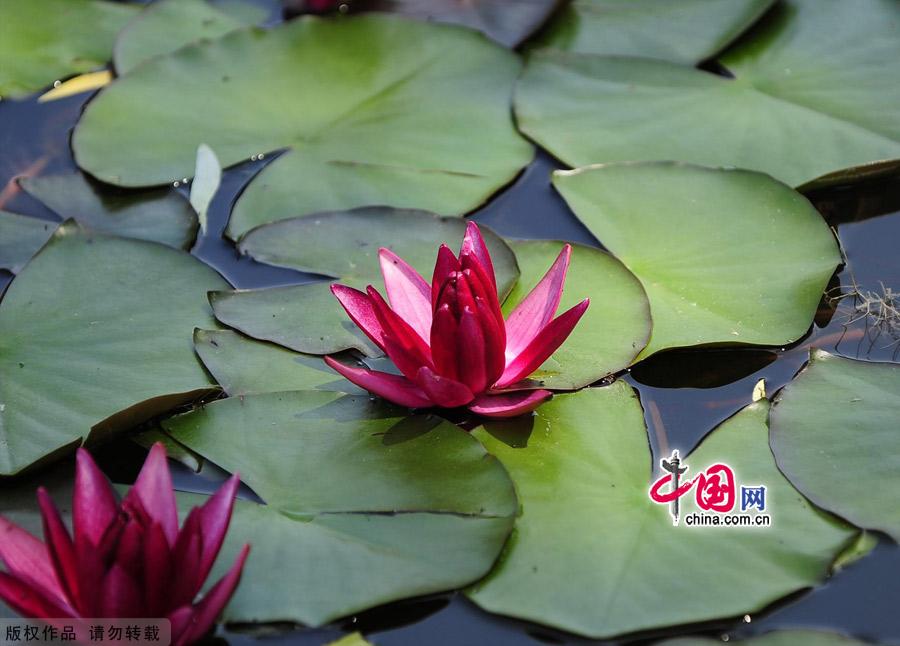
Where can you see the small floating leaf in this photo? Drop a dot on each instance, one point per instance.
(834, 433)
(167, 25)
(207, 176)
(686, 31)
(160, 215)
(799, 106)
(95, 335)
(44, 41)
(20, 238)
(83, 83)
(589, 546)
(365, 504)
(612, 331)
(380, 126)
(755, 277)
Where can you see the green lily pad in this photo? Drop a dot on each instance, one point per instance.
(174, 450)
(508, 23)
(800, 105)
(41, 42)
(365, 504)
(377, 111)
(834, 433)
(96, 332)
(774, 638)
(243, 366)
(755, 277)
(344, 245)
(589, 546)
(161, 215)
(20, 238)
(306, 318)
(687, 31)
(611, 333)
(167, 25)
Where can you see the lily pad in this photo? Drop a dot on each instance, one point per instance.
(834, 434)
(799, 107)
(365, 504)
(589, 545)
(20, 238)
(377, 111)
(243, 366)
(774, 638)
(687, 31)
(41, 42)
(96, 332)
(168, 25)
(344, 245)
(754, 276)
(508, 23)
(160, 215)
(611, 333)
(306, 318)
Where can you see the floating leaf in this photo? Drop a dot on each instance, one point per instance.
(344, 245)
(774, 638)
(20, 238)
(366, 504)
(160, 215)
(306, 318)
(168, 25)
(756, 276)
(687, 31)
(371, 109)
(353, 639)
(801, 105)
(95, 332)
(834, 433)
(207, 176)
(41, 42)
(589, 546)
(243, 366)
(611, 333)
(81, 83)
(508, 23)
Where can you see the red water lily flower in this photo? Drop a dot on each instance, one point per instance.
(126, 560)
(449, 339)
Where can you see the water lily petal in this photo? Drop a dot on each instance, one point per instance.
(30, 601)
(359, 309)
(473, 244)
(59, 547)
(120, 596)
(494, 341)
(445, 265)
(391, 387)
(470, 342)
(409, 294)
(157, 563)
(538, 308)
(402, 344)
(509, 404)
(153, 488)
(215, 516)
(27, 558)
(542, 346)
(443, 391)
(94, 503)
(181, 620)
(212, 604)
(443, 350)
(185, 558)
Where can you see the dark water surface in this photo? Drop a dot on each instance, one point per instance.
(685, 394)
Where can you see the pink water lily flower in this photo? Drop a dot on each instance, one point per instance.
(449, 339)
(126, 560)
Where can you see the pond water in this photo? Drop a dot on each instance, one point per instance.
(684, 393)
